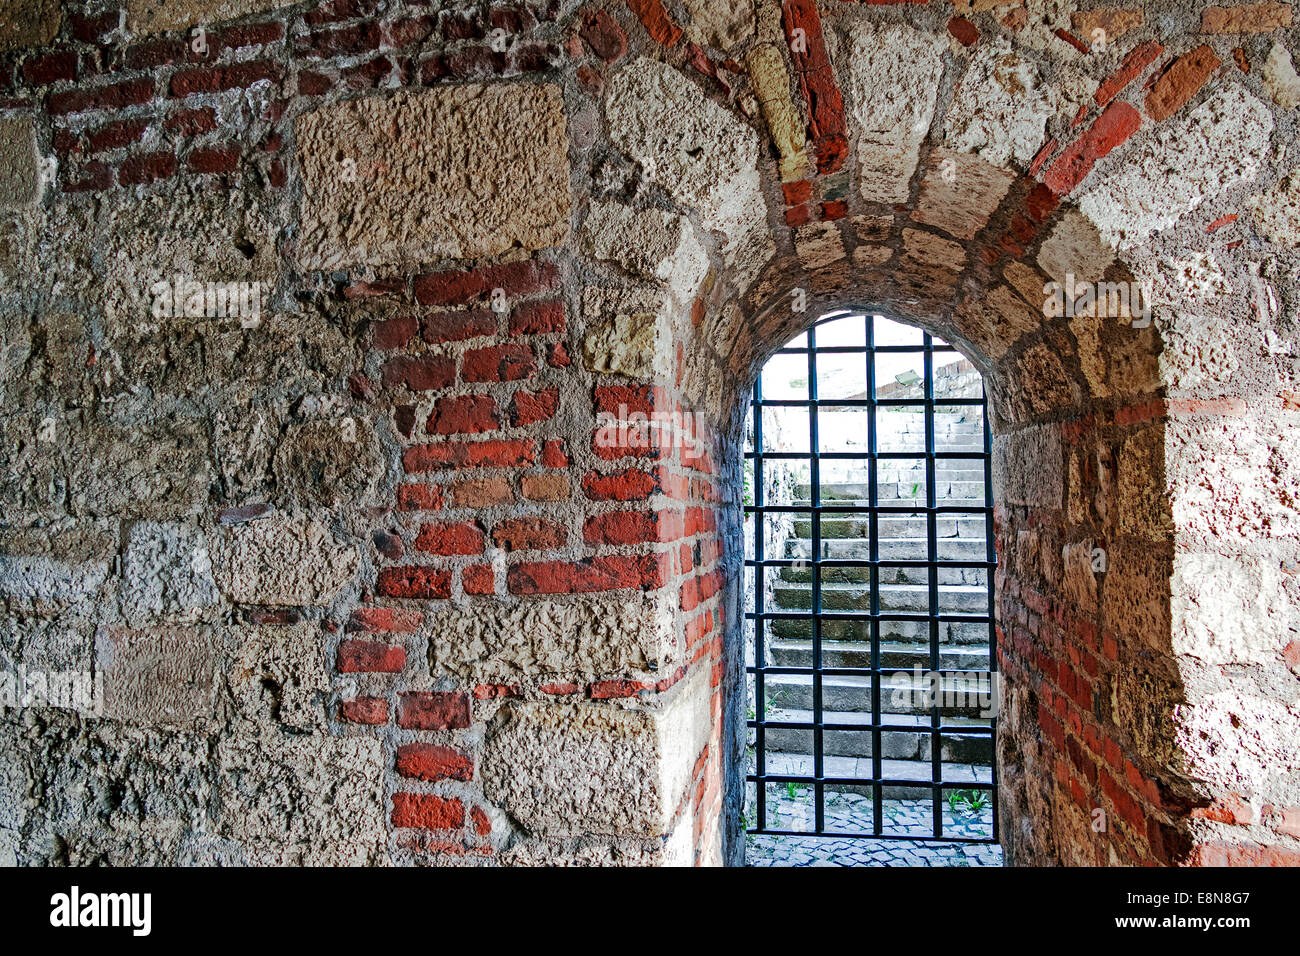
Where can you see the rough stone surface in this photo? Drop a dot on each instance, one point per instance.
(19, 177)
(1278, 212)
(892, 80)
(1000, 108)
(959, 192)
(580, 636)
(568, 769)
(153, 16)
(168, 571)
(159, 677)
(28, 23)
(771, 82)
(628, 331)
(1152, 184)
(1027, 466)
(649, 243)
(370, 200)
(282, 561)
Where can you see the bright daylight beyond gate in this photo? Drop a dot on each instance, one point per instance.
(869, 601)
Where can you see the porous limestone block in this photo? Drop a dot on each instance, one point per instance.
(1233, 609)
(699, 152)
(572, 769)
(891, 75)
(720, 23)
(283, 560)
(959, 192)
(303, 799)
(20, 179)
(579, 637)
(454, 172)
(1143, 486)
(1074, 248)
(650, 243)
(329, 461)
(771, 82)
(1165, 173)
(1280, 79)
(162, 677)
(1243, 743)
(628, 331)
(167, 570)
(28, 23)
(278, 676)
(155, 16)
(1000, 107)
(1028, 466)
(1277, 212)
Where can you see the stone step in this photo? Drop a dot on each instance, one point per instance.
(902, 490)
(901, 693)
(853, 526)
(862, 575)
(899, 655)
(953, 598)
(913, 632)
(954, 774)
(859, 492)
(894, 744)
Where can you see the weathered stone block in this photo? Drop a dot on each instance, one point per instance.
(28, 23)
(289, 561)
(628, 331)
(167, 570)
(1174, 169)
(20, 180)
(154, 16)
(1232, 609)
(278, 676)
(490, 173)
(151, 472)
(892, 79)
(1074, 248)
(571, 769)
(1000, 107)
(771, 82)
(650, 243)
(329, 462)
(163, 677)
(1028, 466)
(1143, 493)
(1277, 212)
(585, 637)
(960, 192)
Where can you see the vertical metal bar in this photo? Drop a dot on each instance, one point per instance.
(932, 554)
(873, 538)
(819, 770)
(760, 723)
(991, 555)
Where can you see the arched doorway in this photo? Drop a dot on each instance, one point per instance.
(869, 644)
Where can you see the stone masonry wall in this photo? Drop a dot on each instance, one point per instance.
(372, 377)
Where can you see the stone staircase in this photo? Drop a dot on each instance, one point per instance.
(904, 645)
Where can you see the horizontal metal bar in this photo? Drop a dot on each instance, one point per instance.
(869, 781)
(794, 671)
(864, 403)
(918, 510)
(864, 563)
(862, 835)
(977, 730)
(863, 456)
(867, 616)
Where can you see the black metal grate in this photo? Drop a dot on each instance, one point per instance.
(873, 717)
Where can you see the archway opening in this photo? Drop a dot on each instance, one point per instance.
(870, 651)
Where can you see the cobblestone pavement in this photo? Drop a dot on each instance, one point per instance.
(852, 812)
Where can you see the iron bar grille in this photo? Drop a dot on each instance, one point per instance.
(860, 604)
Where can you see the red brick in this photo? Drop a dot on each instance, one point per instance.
(191, 122)
(421, 373)
(498, 363)
(834, 209)
(627, 399)
(433, 762)
(797, 216)
(627, 527)
(559, 689)
(1179, 83)
(797, 192)
(482, 825)
(529, 534)
(49, 68)
(464, 415)
(661, 27)
(547, 487)
(359, 38)
(433, 710)
(395, 333)
(630, 485)
(603, 34)
(117, 96)
(388, 620)
(529, 408)
(817, 82)
(216, 159)
(963, 30)
(364, 710)
(95, 176)
(116, 135)
(482, 492)
(236, 76)
(554, 455)
(1246, 18)
(537, 318)
(457, 326)
(606, 573)
(372, 657)
(492, 453)
(146, 168)
(557, 356)
(419, 498)
(414, 582)
(458, 288)
(611, 689)
(1133, 66)
(427, 811)
(311, 83)
(1117, 123)
(478, 579)
(448, 538)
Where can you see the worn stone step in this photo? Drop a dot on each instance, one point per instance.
(971, 748)
(950, 632)
(862, 575)
(901, 693)
(955, 774)
(900, 655)
(953, 598)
